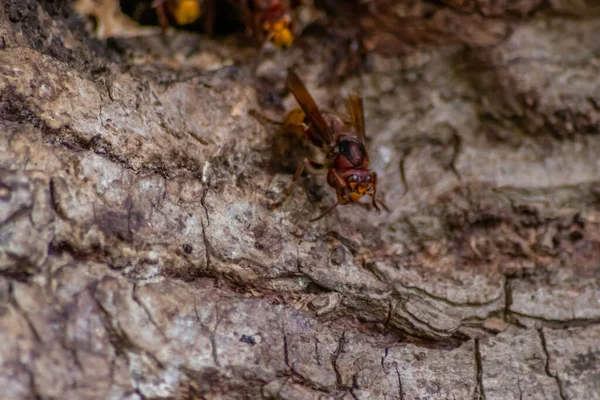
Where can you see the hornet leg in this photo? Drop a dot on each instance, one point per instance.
(297, 175)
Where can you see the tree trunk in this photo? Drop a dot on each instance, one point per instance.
(139, 258)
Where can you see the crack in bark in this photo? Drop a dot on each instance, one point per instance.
(139, 393)
(73, 352)
(383, 358)
(213, 341)
(456, 142)
(32, 383)
(402, 168)
(448, 301)
(121, 343)
(507, 297)
(388, 318)
(203, 203)
(350, 244)
(211, 333)
(111, 369)
(13, 301)
(334, 358)
(119, 339)
(294, 374)
(427, 324)
(206, 246)
(140, 303)
(561, 324)
(286, 358)
(412, 327)
(547, 364)
(317, 351)
(400, 390)
(21, 212)
(129, 205)
(54, 200)
(479, 393)
(196, 313)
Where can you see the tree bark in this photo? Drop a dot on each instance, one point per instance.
(139, 258)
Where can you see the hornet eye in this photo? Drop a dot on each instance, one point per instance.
(352, 178)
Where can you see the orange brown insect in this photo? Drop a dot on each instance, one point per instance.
(344, 143)
(269, 20)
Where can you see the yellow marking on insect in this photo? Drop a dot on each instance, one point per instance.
(295, 117)
(280, 32)
(187, 11)
(355, 197)
(294, 121)
(358, 191)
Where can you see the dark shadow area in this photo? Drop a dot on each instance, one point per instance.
(221, 15)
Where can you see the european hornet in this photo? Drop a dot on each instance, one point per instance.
(343, 142)
(269, 20)
(182, 12)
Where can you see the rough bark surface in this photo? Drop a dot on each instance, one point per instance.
(138, 258)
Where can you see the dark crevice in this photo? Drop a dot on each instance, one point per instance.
(388, 317)
(210, 332)
(119, 341)
(22, 313)
(203, 203)
(129, 205)
(22, 269)
(479, 393)
(402, 167)
(507, 297)
(213, 339)
(419, 339)
(456, 143)
(32, 383)
(220, 17)
(286, 356)
(143, 306)
(72, 349)
(206, 246)
(547, 364)
(385, 354)
(118, 338)
(334, 358)
(558, 324)
(16, 108)
(139, 393)
(23, 212)
(317, 356)
(353, 246)
(450, 302)
(400, 389)
(416, 321)
(54, 201)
